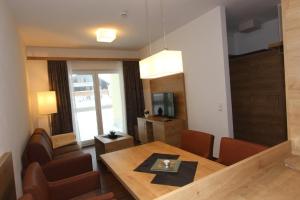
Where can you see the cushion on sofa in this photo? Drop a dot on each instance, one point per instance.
(63, 140)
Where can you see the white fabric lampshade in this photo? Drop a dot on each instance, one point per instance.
(163, 63)
(47, 102)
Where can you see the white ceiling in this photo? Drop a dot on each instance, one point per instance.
(72, 23)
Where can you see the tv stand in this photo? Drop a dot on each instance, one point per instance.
(163, 129)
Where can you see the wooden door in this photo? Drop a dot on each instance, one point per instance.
(258, 97)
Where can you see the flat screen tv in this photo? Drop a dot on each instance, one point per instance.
(163, 104)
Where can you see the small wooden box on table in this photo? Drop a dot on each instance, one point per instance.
(105, 145)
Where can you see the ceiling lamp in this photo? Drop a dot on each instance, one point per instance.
(106, 35)
(163, 63)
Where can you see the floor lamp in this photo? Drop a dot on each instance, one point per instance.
(47, 105)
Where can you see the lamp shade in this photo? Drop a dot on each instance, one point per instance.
(47, 102)
(163, 63)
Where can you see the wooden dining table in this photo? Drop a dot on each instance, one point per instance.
(122, 164)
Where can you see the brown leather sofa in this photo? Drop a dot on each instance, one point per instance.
(61, 150)
(26, 197)
(55, 165)
(198, 143)
(233, 150)
(84, 186)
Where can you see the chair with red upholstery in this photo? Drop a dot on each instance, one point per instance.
(86, 185)
(198, 143)
(55, 167)
(233, 150)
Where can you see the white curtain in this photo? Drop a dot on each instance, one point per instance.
(74, 120)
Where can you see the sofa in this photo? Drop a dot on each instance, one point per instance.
(26, 197)
(58, 149)
(85, 186)
(56, 165)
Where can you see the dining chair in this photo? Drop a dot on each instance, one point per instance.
(199, 143)
(234, 150)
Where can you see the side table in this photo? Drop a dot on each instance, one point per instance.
(105, 145)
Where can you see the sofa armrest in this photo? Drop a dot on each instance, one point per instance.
(74, 186)
(68, 166)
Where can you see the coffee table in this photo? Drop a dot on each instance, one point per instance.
(106, 145)
(122, 164)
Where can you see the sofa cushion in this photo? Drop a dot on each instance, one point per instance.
(66, 149)
(63, 140)
(26, 197)
(70, 155)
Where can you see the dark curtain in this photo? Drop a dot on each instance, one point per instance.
(134, 95)
(59, 82)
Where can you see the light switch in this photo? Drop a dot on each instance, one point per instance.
(220, 107)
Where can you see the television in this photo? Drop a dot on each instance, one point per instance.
(163, 104)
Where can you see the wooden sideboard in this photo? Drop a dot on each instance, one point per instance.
(160, 129)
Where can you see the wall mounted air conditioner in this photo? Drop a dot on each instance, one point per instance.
(249, 26)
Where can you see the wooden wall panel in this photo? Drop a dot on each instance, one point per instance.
(258, 97)
(7, 181)
(291, 37)
(174, 83)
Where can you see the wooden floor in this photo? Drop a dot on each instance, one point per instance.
(108, 182)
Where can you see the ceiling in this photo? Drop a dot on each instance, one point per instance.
(72, 23)
(239, 11)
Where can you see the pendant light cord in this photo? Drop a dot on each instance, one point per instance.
(163, 22)
(148, 27)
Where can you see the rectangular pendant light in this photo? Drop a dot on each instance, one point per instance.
(163, 63)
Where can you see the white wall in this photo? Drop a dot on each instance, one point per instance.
(203, 43)
(14, 120)
(241, 43)
(37, 72)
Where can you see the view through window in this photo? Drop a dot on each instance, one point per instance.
(98, 103)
